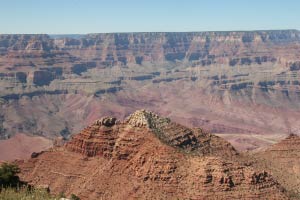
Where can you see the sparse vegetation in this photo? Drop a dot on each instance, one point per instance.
(8, 175)
(11, 188)
(74, 197)
(62, 195)
(25, 193)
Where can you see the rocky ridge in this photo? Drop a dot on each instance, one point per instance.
(127, 160)
(194, 141)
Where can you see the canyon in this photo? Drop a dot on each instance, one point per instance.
(241, 85)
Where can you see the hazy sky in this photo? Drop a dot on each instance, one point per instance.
(94, 16)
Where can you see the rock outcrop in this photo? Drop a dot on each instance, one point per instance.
(283, 161)
(191, 140)
(130, 160)
(101, 137)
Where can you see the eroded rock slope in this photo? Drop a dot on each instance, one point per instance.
(148, 157)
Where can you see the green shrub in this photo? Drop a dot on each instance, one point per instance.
(61, 195)
(11, 188)
(8, 175)
(74, 197)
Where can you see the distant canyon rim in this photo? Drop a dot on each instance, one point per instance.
(241, 85)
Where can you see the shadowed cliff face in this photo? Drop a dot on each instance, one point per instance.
(228, 82)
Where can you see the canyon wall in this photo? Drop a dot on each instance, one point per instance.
(244, 83)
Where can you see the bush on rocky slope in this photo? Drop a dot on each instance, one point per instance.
(8, 175)
(25, 193)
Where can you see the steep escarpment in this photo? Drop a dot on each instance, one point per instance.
(219, 74)
(127, 159)
(198, 48)
(28, 53)
(25, 42)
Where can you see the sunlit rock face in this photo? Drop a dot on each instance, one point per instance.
(148, 156)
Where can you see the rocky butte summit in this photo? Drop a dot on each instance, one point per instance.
(148, 157)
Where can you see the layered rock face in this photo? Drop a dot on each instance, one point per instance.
(101, 137)
(283, 161)
(232, 83)
(144, 158)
